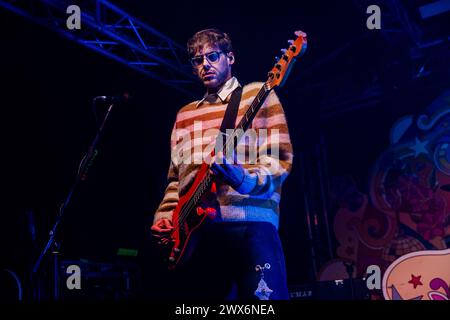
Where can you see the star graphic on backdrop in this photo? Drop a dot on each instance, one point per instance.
(419, 147)
(396, 295)
(415, 281)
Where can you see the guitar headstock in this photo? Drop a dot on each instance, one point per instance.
(279, 73)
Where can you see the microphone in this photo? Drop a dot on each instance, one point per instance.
(112, 99)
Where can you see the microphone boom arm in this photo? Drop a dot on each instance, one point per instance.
(82, 174)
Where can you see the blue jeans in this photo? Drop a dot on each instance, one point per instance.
(234, 260)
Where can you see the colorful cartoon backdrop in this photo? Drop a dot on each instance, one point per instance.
(407, 206)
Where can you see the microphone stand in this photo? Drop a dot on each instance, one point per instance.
(349, 267)
(85, 164)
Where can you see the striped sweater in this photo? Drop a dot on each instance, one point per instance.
(193, 137)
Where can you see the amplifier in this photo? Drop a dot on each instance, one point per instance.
(114, 281)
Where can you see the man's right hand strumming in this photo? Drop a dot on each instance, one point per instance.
(161, 230)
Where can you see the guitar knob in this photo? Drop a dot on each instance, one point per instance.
(171, 259)
(211, 212)
(176, 250)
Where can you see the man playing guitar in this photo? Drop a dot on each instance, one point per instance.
(237, 253)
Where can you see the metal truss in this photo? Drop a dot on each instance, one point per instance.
(108, 30)
(396, 21)
(400, 18)
(399, 28)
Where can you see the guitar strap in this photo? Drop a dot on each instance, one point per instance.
(230, 115)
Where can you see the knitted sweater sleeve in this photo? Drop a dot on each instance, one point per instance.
(275, 154)
(170, 199)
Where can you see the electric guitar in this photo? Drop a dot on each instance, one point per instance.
(190, 215)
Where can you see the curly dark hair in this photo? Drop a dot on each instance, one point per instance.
(209, 36)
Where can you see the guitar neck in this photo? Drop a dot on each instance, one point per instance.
(244, 124)
(251, 112)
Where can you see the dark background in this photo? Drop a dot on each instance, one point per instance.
(48, 121)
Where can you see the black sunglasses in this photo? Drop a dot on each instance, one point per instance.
(212, 57)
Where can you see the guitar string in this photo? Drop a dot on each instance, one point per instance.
(191, 204)
(187, 209)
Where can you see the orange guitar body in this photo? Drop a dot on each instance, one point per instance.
(184, 237)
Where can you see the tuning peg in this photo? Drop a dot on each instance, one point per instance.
(291, 42)
(277, 58)
(283, 50)
(300, 33)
